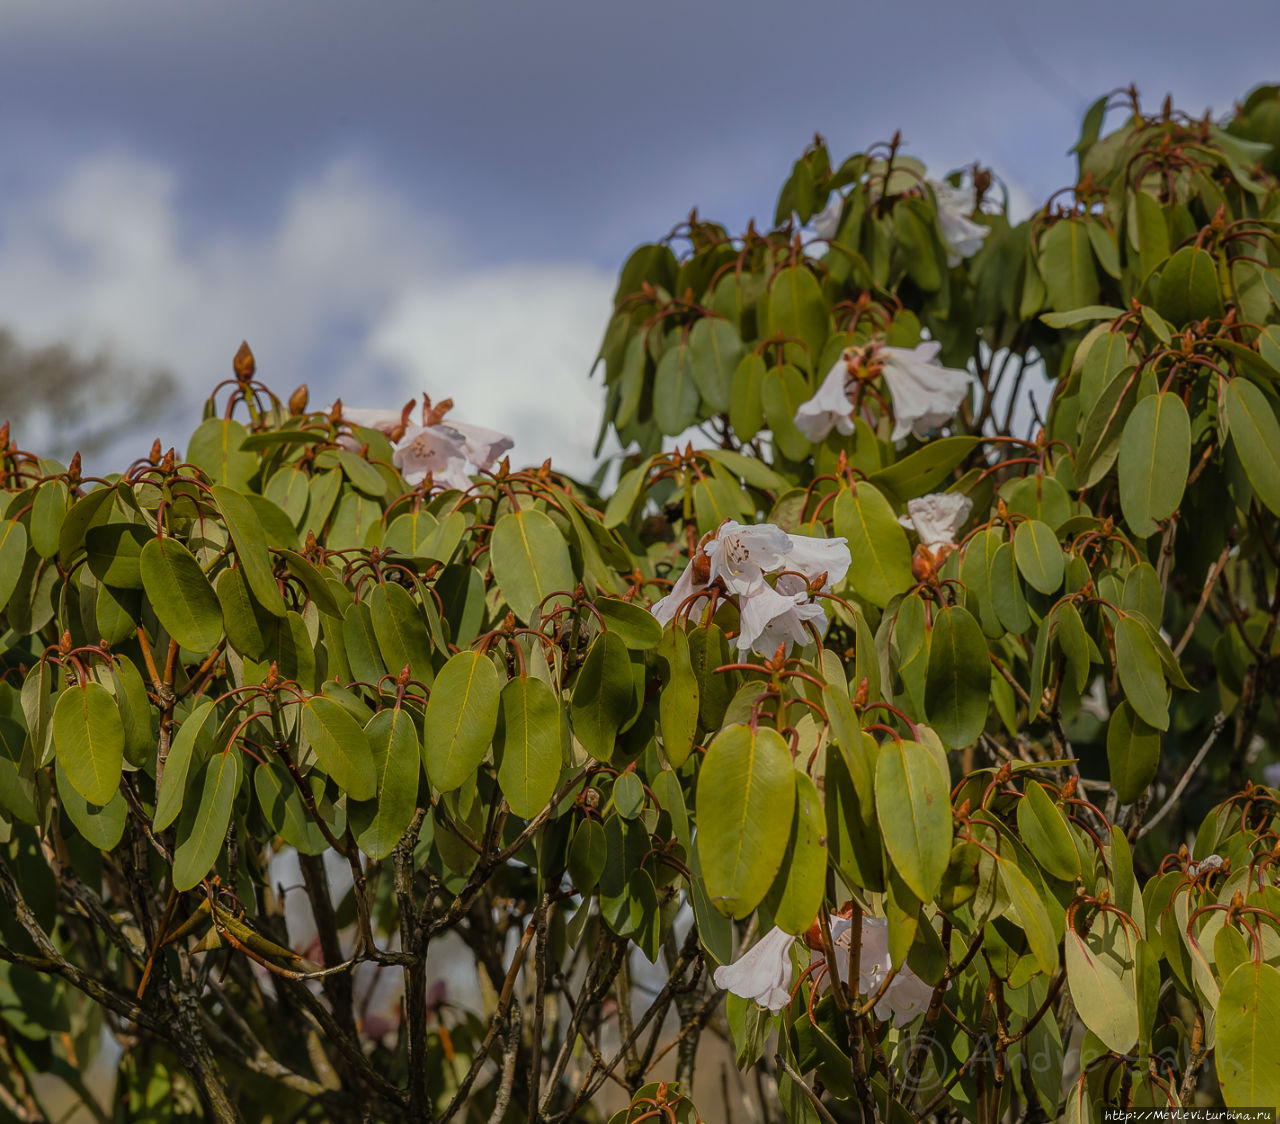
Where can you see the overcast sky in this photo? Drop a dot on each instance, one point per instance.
(386, 197)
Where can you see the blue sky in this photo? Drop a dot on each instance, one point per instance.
(389, 197)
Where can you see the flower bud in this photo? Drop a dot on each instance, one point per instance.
(244, 364)
(298, 400)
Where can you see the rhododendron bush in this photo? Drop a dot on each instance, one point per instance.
(886, 744)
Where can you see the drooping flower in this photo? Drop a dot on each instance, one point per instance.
(687, 584)
(962, 235)
(830, 406)
(925, 393)
(441, 448)
(827, 221)
(762, 973)
(770, 616)
(937, 517)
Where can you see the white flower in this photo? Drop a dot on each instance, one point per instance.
(925, 393)
(962, 235)
(763, 973)
(907, 994)
(740, 556)
(1204, 866)
(829, 407)
(384, 421)
(937, 517)
(437, 449)
(686, 586)
(827, 221)
(770, 617)
(483, 446)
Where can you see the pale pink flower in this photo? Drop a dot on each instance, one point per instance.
(937, 517)
(762, 973)
(741, 555)
(827, 221)
(925, 393)
(830, 406)
(962, 235)
(437, 449)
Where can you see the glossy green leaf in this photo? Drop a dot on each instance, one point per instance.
(958, 681)
(13, 551)
(745, 802)
(1106, 1001)
(678, 701)
(250, 541)
(1067, 265)
(1153, 462)
(101, 826)
(216, 447)
(796, 309)
(89, 740)
(1133, 753)
(715, 349)
(341, 746)
(913, 803)
(173, 782)
(379, 824)
(181, 595)
(530, 562)
(529, 745)
(1141, 673)
(48, 510)
(675, 394)
(603, 695)
(202, 827)
(804, 868)
(1255, 432)
(1245, 1054)
(1038, 555)
(1031, 914)
(1188, 288)
(401, 632)
(462, 715)
(877, 542)
(1045, 832)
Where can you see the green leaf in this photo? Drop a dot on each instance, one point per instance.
(603, 695)
(1154, 459)
(314, 582)
(913, 804)
(251, 630)
(101, 826)
(529, 745)
(1133, 753)
(922, 471)
(71, 536)
(530, 561)
(635, 626)
(361, 473)
(782, 391)
(678, 701)
(341, 747)
(202, 828)
(1245, 1054)
(462, 715)
(1106, 1002)
(796, 309)
(1100, 437)
(587, 855)
(378, 825)
(625, 495)
(173, 783)
(89, 740)
(1085, 315)
(1141, 673)
(250, 541)
(181, 595)
(1039, 557)
(13, 552)
(1066, 264)
(804, 869)
(745, 802)
(715, 349)
(1188, 288)
(1151, 231)
(1032, 916)
(216, 448)
(675, 394)
(958, 681)
(876, 540)
(1256, 435)
(47, 513)
(1045, 832)
(746, 406)
(401, 631)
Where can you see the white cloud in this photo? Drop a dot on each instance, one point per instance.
(352, 289)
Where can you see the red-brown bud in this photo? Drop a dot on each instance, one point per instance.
(244, 364)
(298, 400)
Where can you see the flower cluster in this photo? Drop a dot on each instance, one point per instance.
(763, 973)
(443, 449)
(925, 393)
(736, 558)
